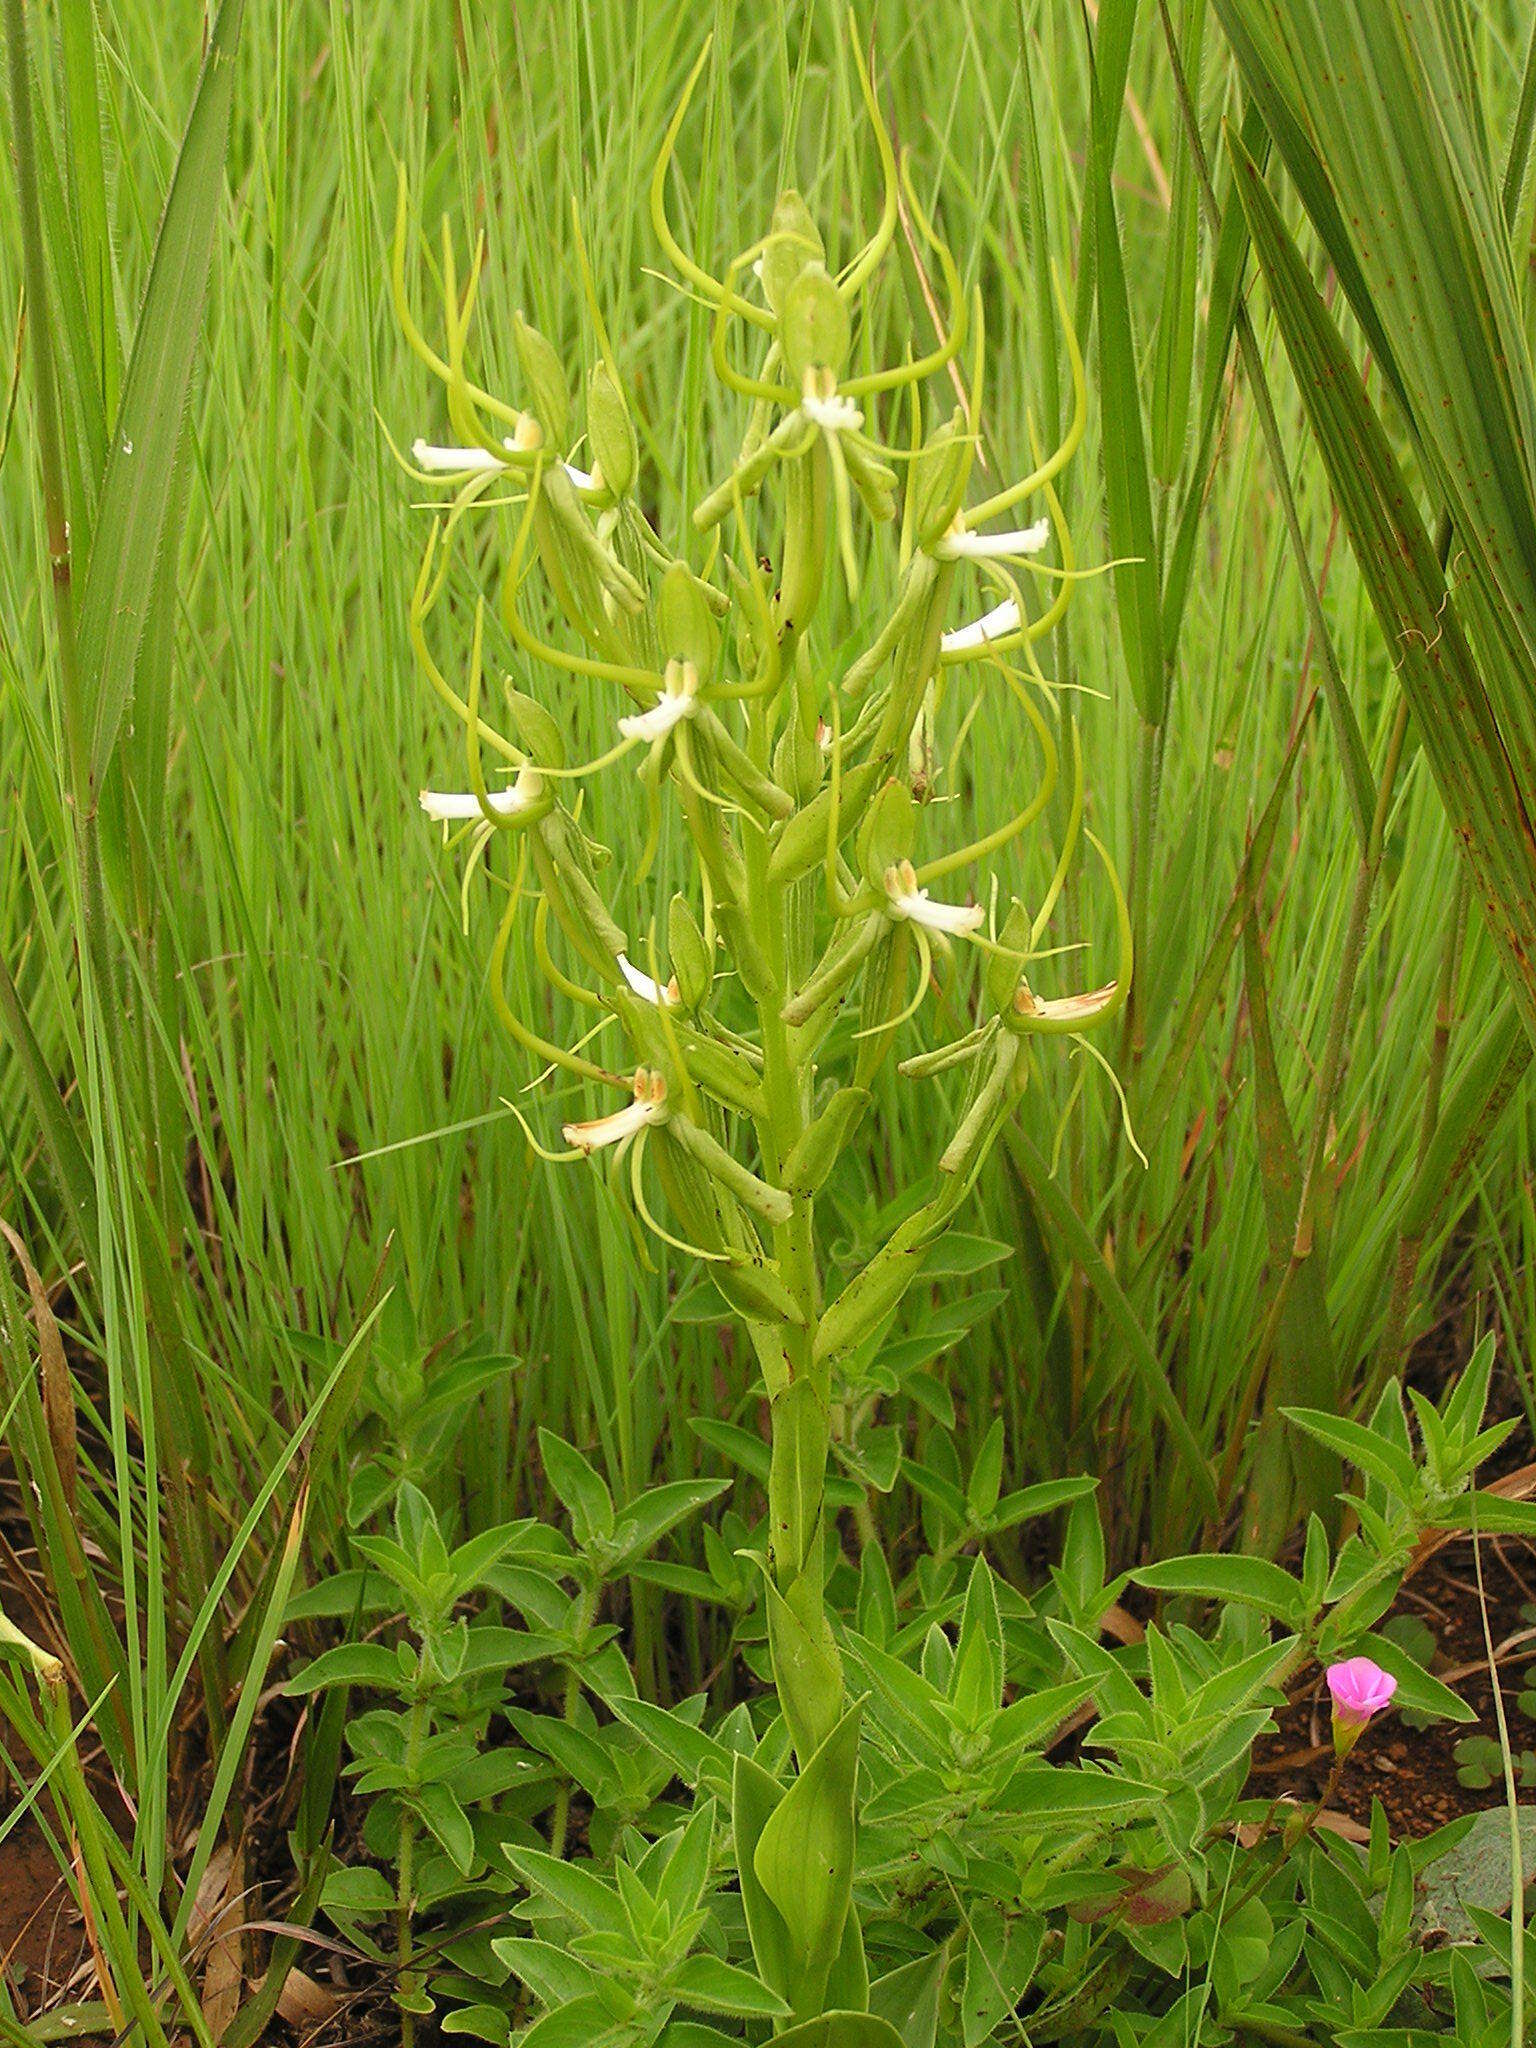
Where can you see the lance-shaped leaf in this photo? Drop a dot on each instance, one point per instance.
(1420, 618)
(131, 527)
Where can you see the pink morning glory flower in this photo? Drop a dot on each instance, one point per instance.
(1360, 1689)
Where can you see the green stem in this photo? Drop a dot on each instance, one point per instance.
(586, 1614)
(405, 1875)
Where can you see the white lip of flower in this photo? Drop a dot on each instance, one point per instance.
(959, 544)
(909, 901)
(648, 1107)
(447, 461)
(644, 984)
(679, 700)
(448, 806)
(996, 624)
(819, 402)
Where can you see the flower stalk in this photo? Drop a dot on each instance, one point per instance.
(812, 930)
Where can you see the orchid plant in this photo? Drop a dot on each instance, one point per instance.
(808, 783)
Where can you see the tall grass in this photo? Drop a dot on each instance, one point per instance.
(286, 1095)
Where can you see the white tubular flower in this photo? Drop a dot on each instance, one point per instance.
(645, 986)
(439, 460)
(648, 1107)
(678, 700)
(451, 806)
(996, 624)
(961, 545)
(456, 461)
(907, 900)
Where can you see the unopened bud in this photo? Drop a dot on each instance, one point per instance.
(684, 624)
(545, 378)
(611, 432)
(813, 326)
(690, 954)
(938, 479)
(885, 837)
(795, 242)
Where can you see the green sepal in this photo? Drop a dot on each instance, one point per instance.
(685, 627)
(794, 241)
(802, 841)
(888, 832)
(726, 1075)
(816, 1149)
(690, 955)
(545, 378)
(611, 432)
(1002, 972)
(538, 730)
(757, 1291)
(814, 328)
(938, 479)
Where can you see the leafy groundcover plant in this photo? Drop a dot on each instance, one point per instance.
(950, 1813)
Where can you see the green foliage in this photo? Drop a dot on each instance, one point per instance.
(992, 1879)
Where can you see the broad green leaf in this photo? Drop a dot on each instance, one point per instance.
(755, 1795)
(370, 1664)
(1253, 1581)
(842, 2030)
(804, 1859)
(715, 1986)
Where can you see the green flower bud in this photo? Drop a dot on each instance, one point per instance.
(1002, 975)
(819, 1144)
(939, 477)
(545, 378)
(887, 833)
(690, 954)
(798, 763)
(685, 629)
(611, 432)
(814, 331)
(796, 242)
(538, 730)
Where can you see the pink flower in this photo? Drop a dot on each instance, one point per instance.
(1360, 1688)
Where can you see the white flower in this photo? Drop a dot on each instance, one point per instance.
(457, 461)
(449, 806)
(644, 985)
(678, 700)
(443, 461)
(996, 624)
(648, 1107)
(907, 900)
(833, 415)
(820, 403)
(959, 544)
